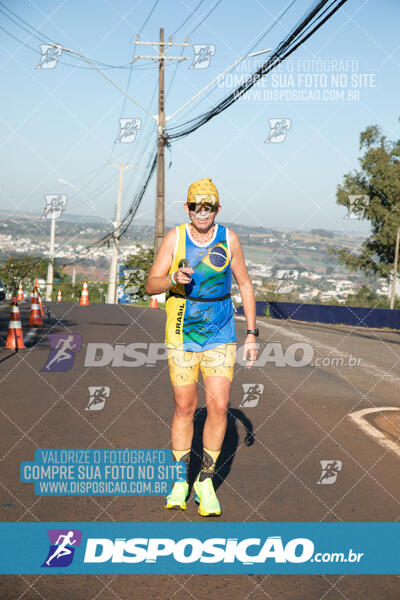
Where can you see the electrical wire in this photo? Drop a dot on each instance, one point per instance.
(282, 14)
(206, 17)
(188, 18)
(316, 16)
(260, 39)
(310, 23)
(45, 40)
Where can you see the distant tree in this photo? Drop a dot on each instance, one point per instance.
(25, 269)
(377, 186)
(144, 261)
(322, 233)
(368, 298)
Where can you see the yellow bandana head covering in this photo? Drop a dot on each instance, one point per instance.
(203, 191)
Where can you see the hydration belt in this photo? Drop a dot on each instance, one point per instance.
(176, 295)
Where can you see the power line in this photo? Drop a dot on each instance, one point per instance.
(212, 89)
(206, 17)
(271, 26)
(310, 23)
(127, 220)
(187, 18)
(45, 40)
(316, 16)
(148, 16)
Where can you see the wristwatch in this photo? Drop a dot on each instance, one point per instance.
(254, 332)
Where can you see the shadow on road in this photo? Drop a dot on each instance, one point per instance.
(229, 446)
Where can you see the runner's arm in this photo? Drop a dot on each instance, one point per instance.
(241, 275)
(158, 280)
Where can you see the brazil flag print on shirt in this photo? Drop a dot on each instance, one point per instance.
(195, 325)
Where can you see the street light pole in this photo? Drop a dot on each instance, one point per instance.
(50, 268)
(112, 280)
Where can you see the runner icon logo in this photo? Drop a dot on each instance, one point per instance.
(55, 205)
(49, 56)
(358, 204)
(62, 351)
(62, 547)
(203, 54)
(128, 129)
(251, 394)
(330, 470)
(278, 130)
(98, 396)
(286, 278)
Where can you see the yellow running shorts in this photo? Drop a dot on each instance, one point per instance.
(184, 364)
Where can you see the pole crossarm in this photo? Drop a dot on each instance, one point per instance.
(156, 58)
(161, 47)
(163, 43)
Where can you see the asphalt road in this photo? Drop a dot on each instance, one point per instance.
(300, 419)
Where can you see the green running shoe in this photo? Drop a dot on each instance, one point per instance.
(206, 498)
(176, 500)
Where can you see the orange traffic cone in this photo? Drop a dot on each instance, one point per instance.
(20, 295)
(15, 338)
(85, 295)
(40, 298)
(153, 302)
(35, 318)
(59, 296)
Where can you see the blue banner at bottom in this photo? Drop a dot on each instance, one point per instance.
(201, 548)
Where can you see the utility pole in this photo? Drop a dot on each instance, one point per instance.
(55, 206)
(50, 267)
(112, 281)
(160, 194)
(396, 262)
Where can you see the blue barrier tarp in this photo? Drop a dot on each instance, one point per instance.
(356, 316)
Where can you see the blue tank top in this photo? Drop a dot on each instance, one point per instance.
(203, 325)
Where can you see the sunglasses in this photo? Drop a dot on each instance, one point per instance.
(199, 207)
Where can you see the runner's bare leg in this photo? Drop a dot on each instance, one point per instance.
(217, 402)
(185, 403)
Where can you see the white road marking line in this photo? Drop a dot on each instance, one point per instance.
(367, 367)
(359, 419)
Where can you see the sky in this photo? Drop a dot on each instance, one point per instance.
(59, 125)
